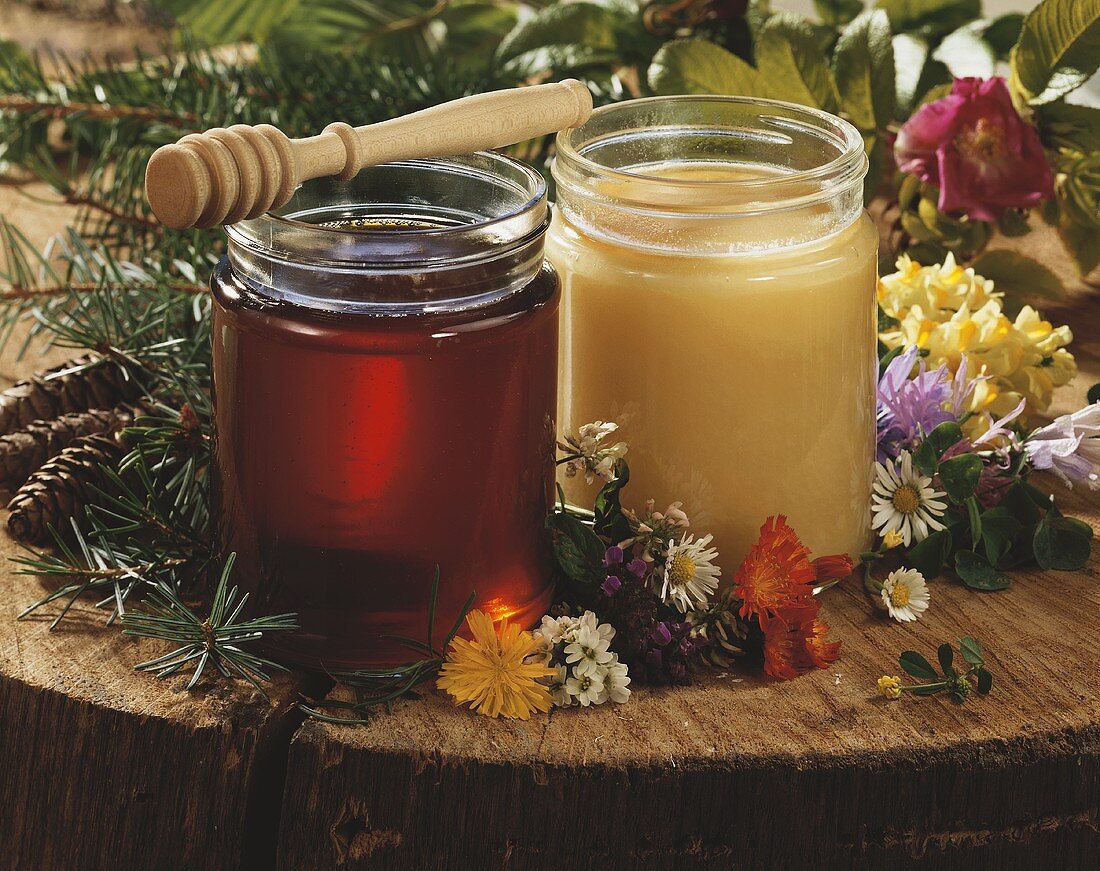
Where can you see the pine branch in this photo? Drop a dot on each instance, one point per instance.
(219, 639)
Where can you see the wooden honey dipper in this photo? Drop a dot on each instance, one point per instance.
(226, 175)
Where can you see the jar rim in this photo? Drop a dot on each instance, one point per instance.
(571, 146)
(285, 232)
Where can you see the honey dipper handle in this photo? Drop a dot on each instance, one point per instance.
(225, 175)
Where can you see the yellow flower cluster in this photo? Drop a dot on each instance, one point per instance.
(890, 686)
(951, 312)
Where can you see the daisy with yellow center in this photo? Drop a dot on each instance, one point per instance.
(905, 594)
(490, 674)
(904, 502)
(690, 575)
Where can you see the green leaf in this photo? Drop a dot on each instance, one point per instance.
(1018, 275)
(929, 18)
(863, 66)
(561, 38)
(1094, 394)
(966, 53)
(1003, 32)
(960, 475)
(1062, 543)
(976, 572)
(971, 650)
(915, 665)
(477, 28)
(1070, 127)
(837, 13)
(1058, 50)
(931, 448)
(609, 519)
(946, 656)
(910, 55)
(577, 549)
(974, 516)
(985, 681)
(792, 64)
(1082, 243)
(929, 556)
(698, 66)
(1000, 530)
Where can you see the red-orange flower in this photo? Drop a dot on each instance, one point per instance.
(820, 652)
(795, 642)
(777, 574)
(830, 568)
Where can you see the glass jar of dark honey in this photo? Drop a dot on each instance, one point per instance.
(385, 372)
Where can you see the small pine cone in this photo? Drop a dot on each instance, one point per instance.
(726, 634)
(59, 489)
(23, 451)
(42, 397)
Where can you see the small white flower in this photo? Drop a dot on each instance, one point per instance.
(588, 454)
(589, 652)
(615, 683)
(690, 575)
(1069, 447)
(586, 689)
(906, 594)
(559, 689)
(905, 502)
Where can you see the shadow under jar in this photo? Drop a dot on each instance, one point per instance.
(724, 242)
(385, 373)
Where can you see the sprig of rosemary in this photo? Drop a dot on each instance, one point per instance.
(381, 687)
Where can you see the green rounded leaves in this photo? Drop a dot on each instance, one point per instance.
(864, 70)
(791, 63)
(698, 66)
(1058, 50)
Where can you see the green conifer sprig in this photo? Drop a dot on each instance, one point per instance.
(221, 639)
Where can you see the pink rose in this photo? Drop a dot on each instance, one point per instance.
(973, 146)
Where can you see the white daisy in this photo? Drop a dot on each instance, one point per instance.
(588, 653)
(906, 594)
(615, 683)
(585, 689)
(690, 575)
(905, 502)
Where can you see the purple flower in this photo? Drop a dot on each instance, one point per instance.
(617, 571)
(1069, 447)
(611, 585)
(910, 407)
(977, 150)
(661, 635)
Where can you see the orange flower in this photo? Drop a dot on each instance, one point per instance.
(795, 643)
(830, 568)
(777, 574)
(819, 651)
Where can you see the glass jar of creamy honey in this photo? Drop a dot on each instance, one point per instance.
(385, 372)
(718, 274)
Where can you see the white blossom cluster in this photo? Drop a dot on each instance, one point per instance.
(586, 671)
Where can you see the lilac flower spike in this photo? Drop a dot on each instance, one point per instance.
(1069, 447)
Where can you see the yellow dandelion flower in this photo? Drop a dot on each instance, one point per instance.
(490, 674)
(890, 687)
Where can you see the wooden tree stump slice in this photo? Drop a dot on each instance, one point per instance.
(103, 767)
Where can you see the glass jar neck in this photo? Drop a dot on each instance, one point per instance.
(409, 237)
(710, 175)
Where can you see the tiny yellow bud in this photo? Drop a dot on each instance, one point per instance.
(892, 539)
(889, 686)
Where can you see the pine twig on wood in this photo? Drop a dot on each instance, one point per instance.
(78, 385)
(61, 488)
(23, 451)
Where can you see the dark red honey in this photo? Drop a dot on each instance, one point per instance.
(358, 452)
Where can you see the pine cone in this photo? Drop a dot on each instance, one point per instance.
(59, 489)
(723, 629)
(23, 451)
(42, 397)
